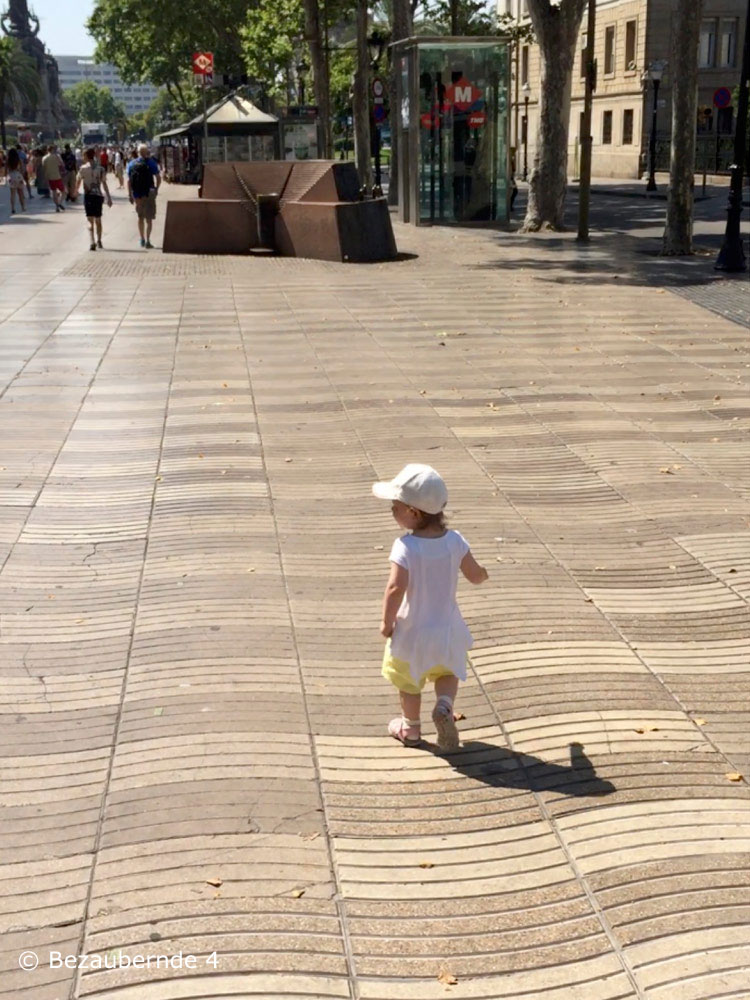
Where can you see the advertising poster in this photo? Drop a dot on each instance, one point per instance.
(301, 141)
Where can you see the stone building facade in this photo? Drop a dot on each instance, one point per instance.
(632, 35)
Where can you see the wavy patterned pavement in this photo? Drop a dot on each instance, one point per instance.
(192, 756)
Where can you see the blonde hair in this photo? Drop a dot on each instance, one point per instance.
(431, 520)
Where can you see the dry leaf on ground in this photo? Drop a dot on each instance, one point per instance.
(298, 892)
(215, 882)
(426, 864)
(446, 977)
(733, 776)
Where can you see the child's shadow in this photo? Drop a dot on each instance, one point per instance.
(502, 768)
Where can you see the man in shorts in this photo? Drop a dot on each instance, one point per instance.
(143, 183)
(52, 167)
(94, 179)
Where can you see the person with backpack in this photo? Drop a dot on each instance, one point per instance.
(144, 179)
(94, 178)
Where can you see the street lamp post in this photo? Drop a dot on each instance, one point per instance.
(376, 43)
(302, 69)
(526, 91)
(654, 73)
(732, 256)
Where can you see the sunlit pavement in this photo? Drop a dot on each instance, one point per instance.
(196, 780)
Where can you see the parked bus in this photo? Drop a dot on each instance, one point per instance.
(93, 133)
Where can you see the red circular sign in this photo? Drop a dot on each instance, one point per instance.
(722, 97)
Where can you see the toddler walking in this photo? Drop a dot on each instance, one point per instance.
(427, 639)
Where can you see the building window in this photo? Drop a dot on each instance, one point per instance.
(580, 126)
(524, 64)
(728, 42)
(707, 43)
(584, 43)
(627, 127)
(609, 50)
(607, 128)
(630, 37)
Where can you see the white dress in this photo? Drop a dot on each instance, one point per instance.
(430, 630)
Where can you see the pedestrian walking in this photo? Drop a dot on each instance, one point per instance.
(24, 157)
(119, 168)
(40, 181)
(53, 169)
(513, 185)
(71, 173)
(427, 638)
(93, 177)
(14, 176)
(144, 179)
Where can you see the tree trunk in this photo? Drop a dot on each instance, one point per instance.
(556, 29)
(678, 231)
(361, 101)
(321, 84)
(401, 27)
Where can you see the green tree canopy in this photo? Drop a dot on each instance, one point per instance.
(91, 103)
(472, 16)
(19, 80)
(155, 42)
(271, 42)
(165, 112)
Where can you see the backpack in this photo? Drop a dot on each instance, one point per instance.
(141, 179)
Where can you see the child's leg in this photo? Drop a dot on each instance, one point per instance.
(411, 705)
(446, 689)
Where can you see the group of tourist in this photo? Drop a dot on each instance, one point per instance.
(61, 174)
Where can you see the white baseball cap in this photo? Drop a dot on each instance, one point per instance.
(417, 486)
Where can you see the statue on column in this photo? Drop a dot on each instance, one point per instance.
(22, 24)
(17, 21)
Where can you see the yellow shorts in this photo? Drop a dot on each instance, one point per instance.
(397, 672)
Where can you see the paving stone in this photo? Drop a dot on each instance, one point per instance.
(192, 733)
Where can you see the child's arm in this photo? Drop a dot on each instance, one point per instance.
(471, 569)
(394, 595)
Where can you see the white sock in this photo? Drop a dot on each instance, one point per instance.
(445, 704)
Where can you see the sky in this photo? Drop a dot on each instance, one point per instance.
(62, 26)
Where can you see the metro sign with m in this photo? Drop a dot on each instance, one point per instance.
(463, 94)
(203, 63)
